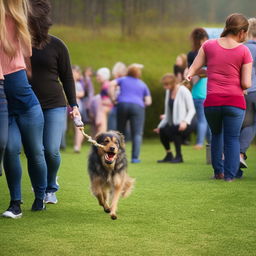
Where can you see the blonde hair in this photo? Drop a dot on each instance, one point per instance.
(119, 69)
(184, 59)
(252, 28)
(18, 10)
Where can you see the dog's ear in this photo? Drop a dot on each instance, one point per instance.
(121, 139)
(99, 138)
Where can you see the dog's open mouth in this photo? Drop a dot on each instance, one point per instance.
(110, 157)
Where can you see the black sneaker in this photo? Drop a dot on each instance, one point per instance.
(177, 159)
(14, 210)
(167, 159)
(38, 205)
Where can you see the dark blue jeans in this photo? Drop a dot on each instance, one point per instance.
(225, 123)
(136, 115)
(3, 123)
(54, 121)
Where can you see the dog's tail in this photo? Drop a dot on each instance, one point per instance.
(128, 186)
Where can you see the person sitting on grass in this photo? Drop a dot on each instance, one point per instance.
(178, 113)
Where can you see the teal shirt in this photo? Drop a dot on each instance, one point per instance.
(199, 89)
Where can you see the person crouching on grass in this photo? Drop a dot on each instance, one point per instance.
(178, 113)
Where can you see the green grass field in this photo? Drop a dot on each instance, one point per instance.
(173, 210)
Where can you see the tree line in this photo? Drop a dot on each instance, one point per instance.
(130, 14)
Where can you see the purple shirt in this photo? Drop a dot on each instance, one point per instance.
(132, 90)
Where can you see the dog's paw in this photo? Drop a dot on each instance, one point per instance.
(113, 217)
(107, 210)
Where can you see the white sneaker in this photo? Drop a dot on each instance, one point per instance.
(50, 198)
(243, 164)
(13, 211)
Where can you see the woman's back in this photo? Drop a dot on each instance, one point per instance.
(224, 73)
(132, 90)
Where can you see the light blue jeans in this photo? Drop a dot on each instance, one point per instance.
(225, 123)
(202, 125)
(54, 121)
(3, 123)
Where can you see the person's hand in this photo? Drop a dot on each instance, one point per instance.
(162, 117)
(183, 126)
(188, 77)
(156, 130)
(74, 112)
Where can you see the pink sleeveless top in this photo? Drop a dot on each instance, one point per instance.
(8, 64)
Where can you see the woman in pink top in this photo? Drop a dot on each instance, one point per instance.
(229, 66)
(25, 114)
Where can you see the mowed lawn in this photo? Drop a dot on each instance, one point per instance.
(173, 210)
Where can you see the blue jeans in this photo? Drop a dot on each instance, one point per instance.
(54, 121)
(26, 128)
(3, 123)
(202, 126)
(112, 122)
(225, 123)
(136, 115)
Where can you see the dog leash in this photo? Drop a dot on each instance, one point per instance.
(79, 124)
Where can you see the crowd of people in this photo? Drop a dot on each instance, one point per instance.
(214, 86)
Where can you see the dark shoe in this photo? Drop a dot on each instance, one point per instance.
(14, 210)
(167, 159)
(239, 174)
(38, 205)
(177, 159)
(218, 176)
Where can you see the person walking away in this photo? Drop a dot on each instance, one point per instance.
(134, 96)
(229, 67)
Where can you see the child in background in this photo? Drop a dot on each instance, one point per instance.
(78, 139)
(103, 76)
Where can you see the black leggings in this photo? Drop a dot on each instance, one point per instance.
(171, 133)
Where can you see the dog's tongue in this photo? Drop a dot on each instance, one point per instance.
(109, 156)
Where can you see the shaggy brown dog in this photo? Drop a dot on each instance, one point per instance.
(107, 169)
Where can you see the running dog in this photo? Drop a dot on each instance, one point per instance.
(107, 168)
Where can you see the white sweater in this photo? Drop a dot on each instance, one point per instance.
(183, 108)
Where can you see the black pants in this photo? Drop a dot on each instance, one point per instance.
(172, 134)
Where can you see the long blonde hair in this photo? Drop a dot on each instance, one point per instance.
(18, 10)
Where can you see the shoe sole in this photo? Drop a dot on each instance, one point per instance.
(243, 165)
(50, 202)
(11, 215)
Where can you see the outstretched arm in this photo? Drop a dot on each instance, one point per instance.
(197, 64)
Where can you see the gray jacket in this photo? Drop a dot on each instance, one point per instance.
(183, 108)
